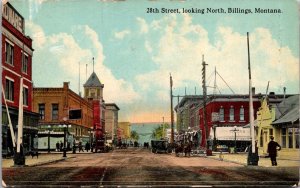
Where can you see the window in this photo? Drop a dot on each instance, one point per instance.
(42, 111)
(261, 139)
(242, 114)
(9, 53)
(25, 63)
(25, 96)
(270, 133)
(54, 111)
(296, 132)
(290, 132)
(231, 114)
(283, 138)
(9, 90)
(221, 112)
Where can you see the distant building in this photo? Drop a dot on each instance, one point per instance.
(185, 111)
(93, 91)
(123, 131)
(16, 63)
(58, 108)
(280, 121)
(111, 121)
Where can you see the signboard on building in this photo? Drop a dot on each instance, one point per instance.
(13, 17)
(75, 114)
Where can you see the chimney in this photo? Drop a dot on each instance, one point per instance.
(253, 90)
(66, 85)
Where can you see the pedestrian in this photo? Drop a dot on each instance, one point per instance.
(57, 146)
(87, 147)
(61, 146)
(80, 147)
(272, 150)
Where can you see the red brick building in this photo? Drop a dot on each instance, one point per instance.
(93, 91)
(226, 113)
(17, 54)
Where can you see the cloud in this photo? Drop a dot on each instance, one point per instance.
(148, 46)
(121, 34)
(68, 52)
(182, 43)
(143, 25)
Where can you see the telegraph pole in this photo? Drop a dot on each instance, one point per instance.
(172, 113)
(204, 106)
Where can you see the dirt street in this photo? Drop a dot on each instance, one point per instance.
(141, 167)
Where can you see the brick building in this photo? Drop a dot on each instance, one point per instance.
(17, 54)
(58, 107)
(111, 121)
(93, 92)
(227, 116)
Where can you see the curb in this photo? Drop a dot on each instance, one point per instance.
(48, 162)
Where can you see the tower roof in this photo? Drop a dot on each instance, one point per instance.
(93, 81)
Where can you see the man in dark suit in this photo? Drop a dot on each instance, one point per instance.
(272, 150)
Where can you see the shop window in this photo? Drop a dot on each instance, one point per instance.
(290, 132)
(42, 111)
(231, 114)
(9, 90)
(54, 111)
(221, 112)
(283, 138)
(242, 114)
(296, 133)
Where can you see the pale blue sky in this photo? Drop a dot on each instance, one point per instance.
(135, 51)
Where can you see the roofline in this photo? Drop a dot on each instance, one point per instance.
(112, 104)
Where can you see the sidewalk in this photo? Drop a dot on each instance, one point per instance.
(241, 158)
(43, 158)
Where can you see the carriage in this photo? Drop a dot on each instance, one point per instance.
(160, 146)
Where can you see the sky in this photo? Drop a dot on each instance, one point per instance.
(135, 52)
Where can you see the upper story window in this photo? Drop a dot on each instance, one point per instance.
(9, 89)
(231, 114)
(25, 96)
(9, 53)
(242, 114)
(54, 111)
(42, 111)
(25, 63)
(221, 114)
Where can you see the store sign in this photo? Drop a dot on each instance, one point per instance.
(13, 17)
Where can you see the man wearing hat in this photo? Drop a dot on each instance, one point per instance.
(272, 150)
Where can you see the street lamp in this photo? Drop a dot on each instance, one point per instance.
(235, 130)
(64, 149)
(49, 127)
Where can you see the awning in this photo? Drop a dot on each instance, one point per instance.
(248, 125)
(289, 118)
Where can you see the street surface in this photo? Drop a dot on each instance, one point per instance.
(140, 167)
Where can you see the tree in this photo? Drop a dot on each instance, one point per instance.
(159, 132)
(134, 135)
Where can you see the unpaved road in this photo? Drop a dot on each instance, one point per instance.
(139, 167)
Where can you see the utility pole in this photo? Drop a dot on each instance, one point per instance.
(204, 106)
(253, 154)
(172, 113)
